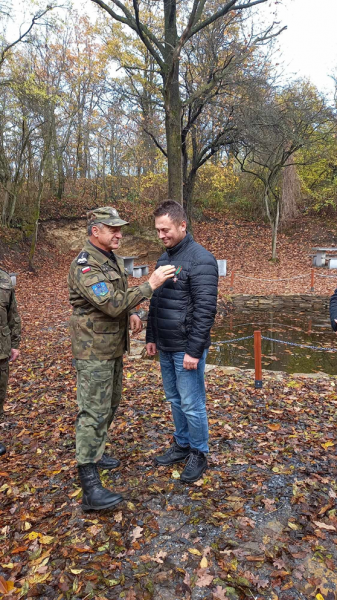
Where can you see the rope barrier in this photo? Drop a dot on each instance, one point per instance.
(275, 279)
(263, 337)
(248, 337)
(318, 348)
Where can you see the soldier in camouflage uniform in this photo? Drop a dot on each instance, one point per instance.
(99, 329)
(10, 335)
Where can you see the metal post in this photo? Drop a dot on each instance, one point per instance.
(232, 280)
(258, 359)
(312, 280)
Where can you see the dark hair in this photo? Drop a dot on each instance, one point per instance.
(171, 208)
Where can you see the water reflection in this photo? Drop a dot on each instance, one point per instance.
(312, 329)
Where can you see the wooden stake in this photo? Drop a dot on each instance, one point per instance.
(312, 280)
(258, 359)
(232, 280)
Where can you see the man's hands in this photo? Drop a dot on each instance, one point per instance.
(190, 362)
(160, 275)
(151, 349)
(14, 354)
(135, 324)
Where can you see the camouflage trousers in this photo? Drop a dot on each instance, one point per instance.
(4, 371)
(99, 390)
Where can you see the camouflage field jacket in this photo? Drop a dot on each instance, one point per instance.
(102, 301)
(10, 322)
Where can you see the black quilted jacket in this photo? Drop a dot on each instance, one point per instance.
(333, 310)
(182, 311)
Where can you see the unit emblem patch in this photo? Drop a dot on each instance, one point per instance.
(100, 289)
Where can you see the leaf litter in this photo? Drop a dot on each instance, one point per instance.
(260, 524)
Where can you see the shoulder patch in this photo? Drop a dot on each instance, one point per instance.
(100, 289)
(82, 258)
(86, 269)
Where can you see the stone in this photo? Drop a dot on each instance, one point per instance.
(275, 526)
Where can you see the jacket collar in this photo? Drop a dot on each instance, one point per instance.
(186, 240)
(97, 255)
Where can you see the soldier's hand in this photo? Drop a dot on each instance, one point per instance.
(160, 275)
(135, 324)
(14, 354)
(151, 349)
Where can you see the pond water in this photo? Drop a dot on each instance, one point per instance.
(312, 329)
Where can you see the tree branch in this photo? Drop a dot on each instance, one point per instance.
(223, 11)
(144, 38)
(138, 27)
(196, 11)
(154, 139)
(209, 85)
(23, 35)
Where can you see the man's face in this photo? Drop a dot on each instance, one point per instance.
(170, 232)
(107, 237)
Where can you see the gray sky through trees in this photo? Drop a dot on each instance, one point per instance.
(309, 45)
(308, 48)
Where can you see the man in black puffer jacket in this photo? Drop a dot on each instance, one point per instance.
(333, 310)
(181, 315)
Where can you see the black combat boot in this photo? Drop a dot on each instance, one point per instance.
(195, 467)
(2, 449)
(95, 496)
(174, 454)
(108, 462)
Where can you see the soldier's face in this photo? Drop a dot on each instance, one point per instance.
(107, 237)
(169, 232)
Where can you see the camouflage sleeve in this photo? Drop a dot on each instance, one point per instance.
(150, 329)
(100, 292)
(14, 322)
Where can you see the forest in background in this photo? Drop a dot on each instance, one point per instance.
(147, 99)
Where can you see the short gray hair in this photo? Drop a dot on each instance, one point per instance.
(91, 225)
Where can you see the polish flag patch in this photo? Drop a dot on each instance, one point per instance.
(86, 269)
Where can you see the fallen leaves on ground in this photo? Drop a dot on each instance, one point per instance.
(264, 513)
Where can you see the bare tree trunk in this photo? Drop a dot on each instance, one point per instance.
(36, 226)
(5, 208)
(273, 220)
(291, 192)
(172, 105)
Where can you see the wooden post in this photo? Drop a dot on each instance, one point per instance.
(312, 280)
(258, 359)
(310, 326)
(232, 280)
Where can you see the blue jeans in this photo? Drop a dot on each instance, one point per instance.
(185, 390)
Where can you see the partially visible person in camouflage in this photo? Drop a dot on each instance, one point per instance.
(99, 329)
(10, 335)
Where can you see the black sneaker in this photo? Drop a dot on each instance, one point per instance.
(174, 454)
(195, 467)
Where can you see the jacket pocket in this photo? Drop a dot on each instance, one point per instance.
(112, 275)
(105, 327)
